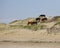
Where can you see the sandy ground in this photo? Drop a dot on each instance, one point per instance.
(28, 45)
(28, 35)
(35, 37)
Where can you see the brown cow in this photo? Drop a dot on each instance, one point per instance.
(44, 19)
(38, 19)
(32, 23)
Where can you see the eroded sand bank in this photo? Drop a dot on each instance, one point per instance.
(28, 35)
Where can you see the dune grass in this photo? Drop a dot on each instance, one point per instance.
(1, 29)
(34, 27)
(31, 27)
(55, 24)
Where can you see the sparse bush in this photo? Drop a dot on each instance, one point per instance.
(41, 27)
(57, 23)
(16, 26)
(34, 27)
(1, 29)
(28, 27)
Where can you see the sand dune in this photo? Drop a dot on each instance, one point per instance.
(28, 35)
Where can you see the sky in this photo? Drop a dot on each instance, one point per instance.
(21, 9)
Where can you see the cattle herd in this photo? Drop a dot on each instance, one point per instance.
(41, 18)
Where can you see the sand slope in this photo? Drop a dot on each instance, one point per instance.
(28, 35)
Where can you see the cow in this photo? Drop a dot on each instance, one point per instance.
(44, 19)
(38, 19)
(32, 23)
(42, 15)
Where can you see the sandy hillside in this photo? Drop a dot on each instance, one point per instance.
(17, 32)
(28, 35)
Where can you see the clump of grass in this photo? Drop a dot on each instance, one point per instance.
(41, 27)
(29, 27)
(16, 26)
(34, 27)
(55, 24)
(1, 29)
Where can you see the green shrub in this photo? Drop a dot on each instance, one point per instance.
(1, 29)
(16, 26)
(34, 27)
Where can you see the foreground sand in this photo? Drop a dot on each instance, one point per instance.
(24, 38)
(28, 35)
(28, 45)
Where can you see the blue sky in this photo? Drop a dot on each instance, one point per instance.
(21, 9)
